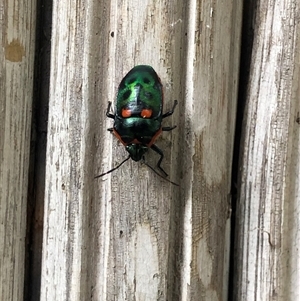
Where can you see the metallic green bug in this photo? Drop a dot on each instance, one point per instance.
(138, 114)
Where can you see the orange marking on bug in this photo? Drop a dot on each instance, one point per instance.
(119, 137)
(146, 113)
(126, 113)
(135, 141)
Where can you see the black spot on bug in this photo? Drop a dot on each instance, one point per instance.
(126, 94)
(146, 80)
(131, 80)
(112, 34)
(148, 95)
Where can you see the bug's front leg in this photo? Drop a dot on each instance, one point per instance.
(159, 151)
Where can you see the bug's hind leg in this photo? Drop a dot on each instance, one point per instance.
(168, 128)
(159, 151)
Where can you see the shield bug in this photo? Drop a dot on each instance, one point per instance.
(138, 115)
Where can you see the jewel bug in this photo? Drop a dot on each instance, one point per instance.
(138, 115)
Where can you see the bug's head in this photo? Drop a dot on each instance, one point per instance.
(136, 151)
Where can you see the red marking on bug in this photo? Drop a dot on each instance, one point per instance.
(119, 137)
(126, 113)
(154, 137)
(134, 141)
(146, 113)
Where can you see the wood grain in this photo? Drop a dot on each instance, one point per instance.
(131, 235)
(17, 25)
(267, 240)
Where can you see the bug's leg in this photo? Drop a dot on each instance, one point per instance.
(105, 173)
(172, 111)
(144, 162)
(168, 128)
(159, 151)
(108, 114)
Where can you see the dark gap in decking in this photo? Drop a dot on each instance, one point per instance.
(37, 163)
(249, 9)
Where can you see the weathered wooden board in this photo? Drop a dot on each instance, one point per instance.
(17, 25)
(267, 239)
(131, 235)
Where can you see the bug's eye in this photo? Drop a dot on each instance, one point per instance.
(126, 113)
(146, 113)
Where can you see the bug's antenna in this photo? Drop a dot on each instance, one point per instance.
(144, 162)
(105, 173)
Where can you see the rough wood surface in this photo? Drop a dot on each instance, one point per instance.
(267, 239)
(17, 25)
(131, 235)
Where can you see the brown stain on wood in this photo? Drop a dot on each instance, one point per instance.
(210, 213)
(14, 51)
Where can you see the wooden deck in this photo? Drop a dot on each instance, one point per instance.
(230, 231)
